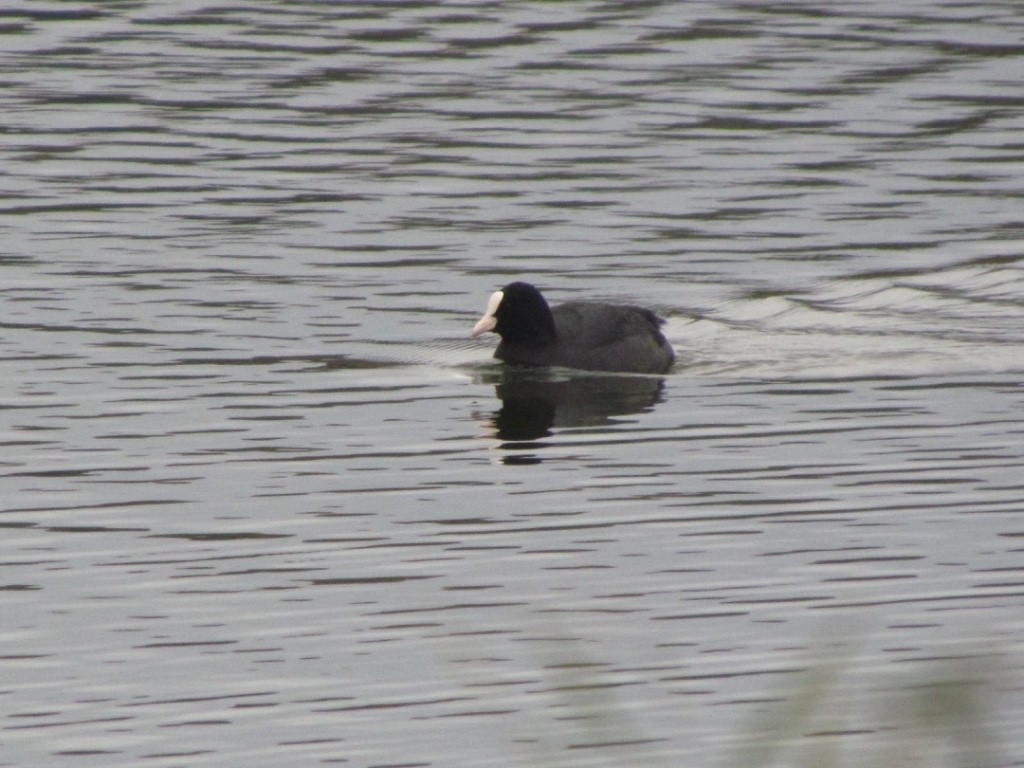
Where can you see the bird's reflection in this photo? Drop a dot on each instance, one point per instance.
(535, 401)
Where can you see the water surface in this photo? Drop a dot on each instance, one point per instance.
(264, 502)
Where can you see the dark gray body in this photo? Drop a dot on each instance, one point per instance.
(597, 337)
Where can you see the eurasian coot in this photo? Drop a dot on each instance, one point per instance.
(585, 335)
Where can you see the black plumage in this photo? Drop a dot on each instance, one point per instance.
(586, 335)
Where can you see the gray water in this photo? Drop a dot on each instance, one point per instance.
(265, 503)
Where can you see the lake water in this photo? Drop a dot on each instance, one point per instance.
(265, 503)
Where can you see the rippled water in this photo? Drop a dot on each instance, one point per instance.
(265, 503)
